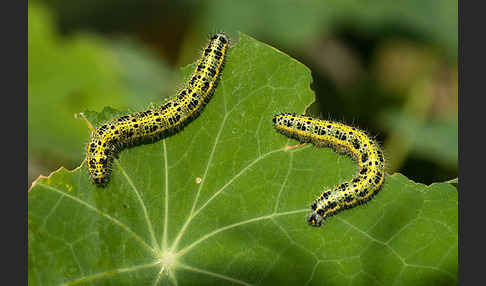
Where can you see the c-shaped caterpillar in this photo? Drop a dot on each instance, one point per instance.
(343, 139)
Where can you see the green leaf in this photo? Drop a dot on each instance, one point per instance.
(70, 74)
(454, 182)
(64, 75)
(224, 202)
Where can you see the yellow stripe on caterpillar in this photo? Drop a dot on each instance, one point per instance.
(343, 139)
(158, 122)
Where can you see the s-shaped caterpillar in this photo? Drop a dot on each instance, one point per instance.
(343, 139)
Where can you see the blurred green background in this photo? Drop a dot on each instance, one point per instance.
(389, 67)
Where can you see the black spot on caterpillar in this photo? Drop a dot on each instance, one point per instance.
(158, 122)
(343, 139)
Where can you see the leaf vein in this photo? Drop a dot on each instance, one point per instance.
(101, 213)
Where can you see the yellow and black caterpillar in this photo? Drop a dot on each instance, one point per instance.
(343, 139)
(159, 122)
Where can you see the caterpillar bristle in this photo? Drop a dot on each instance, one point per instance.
(343, 139)
(161, 121)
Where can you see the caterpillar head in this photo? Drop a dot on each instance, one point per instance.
(315, 219)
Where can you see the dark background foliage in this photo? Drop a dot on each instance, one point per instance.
(389, 67)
